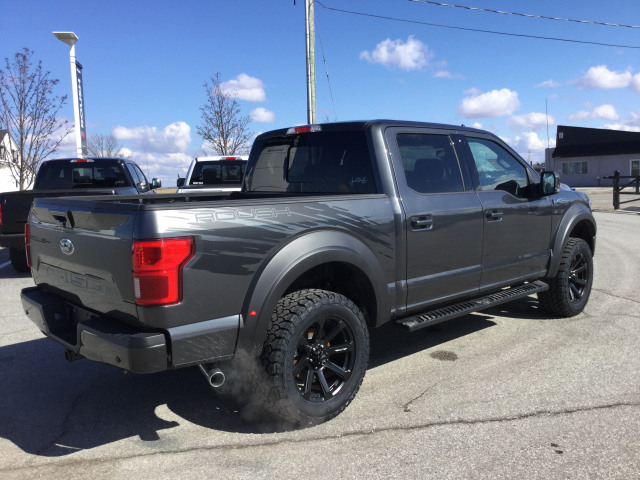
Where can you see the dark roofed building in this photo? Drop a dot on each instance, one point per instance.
(584, 156)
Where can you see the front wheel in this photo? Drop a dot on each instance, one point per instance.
(569, 290)
(315, 355)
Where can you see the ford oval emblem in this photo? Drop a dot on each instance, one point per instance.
(66, 246)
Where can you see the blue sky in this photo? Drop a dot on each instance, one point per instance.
(145, 64)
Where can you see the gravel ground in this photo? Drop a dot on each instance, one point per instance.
(602, 199)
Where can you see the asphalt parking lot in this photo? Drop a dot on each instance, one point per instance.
(507, 393)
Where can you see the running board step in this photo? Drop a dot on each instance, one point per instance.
(469, 306)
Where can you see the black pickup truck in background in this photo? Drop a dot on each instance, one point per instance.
(63, 178)
(338, 228)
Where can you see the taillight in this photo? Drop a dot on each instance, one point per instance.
(157, 269)
(27, 244)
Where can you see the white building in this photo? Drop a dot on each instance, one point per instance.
(8, 154)
(587, 157)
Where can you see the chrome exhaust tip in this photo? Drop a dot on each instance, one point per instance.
(214, 375)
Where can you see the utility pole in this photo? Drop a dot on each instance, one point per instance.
(311, 61)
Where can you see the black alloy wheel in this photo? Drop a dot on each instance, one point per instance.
(324, 358)
(570, 288)
(315, 356)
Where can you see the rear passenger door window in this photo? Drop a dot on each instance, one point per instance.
(429, 162)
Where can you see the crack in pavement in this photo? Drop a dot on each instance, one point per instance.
(63, 430)
(355, 433)
(406, 406)
(615, 296)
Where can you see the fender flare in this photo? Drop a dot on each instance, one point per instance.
(289, 263)
(575, 215)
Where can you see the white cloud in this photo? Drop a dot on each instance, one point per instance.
(244, 87)
(409, 55)
(167, 167)
(608, 112)
(549, 83)
(531, 121)
(601, 77)
(446, 74)
(171, 139)
(635, 83)
(262, 115)
(529, 146)
(496, 103)
(619, 126)
(632, 124)
(125, 152)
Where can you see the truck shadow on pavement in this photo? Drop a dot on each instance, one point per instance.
(51, 408)
(9, 272)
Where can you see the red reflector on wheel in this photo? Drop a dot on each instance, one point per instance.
(157, 269)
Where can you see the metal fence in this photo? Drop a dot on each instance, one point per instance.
(619, 186)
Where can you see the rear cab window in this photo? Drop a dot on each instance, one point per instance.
(218, 172)
(313, 162)
(66, 175)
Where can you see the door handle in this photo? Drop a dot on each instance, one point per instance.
(494, 215)
(421, 222)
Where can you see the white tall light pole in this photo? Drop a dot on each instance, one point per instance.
(311, 61)
(70, 39)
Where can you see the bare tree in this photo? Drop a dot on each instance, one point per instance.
(29, 111)
(222, 124)
(105, 146)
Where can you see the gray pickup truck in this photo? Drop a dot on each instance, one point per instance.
(338, 228)
(66, 177)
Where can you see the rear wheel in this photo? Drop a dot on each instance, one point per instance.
(569, 290)
(315, 355)
(18, 259)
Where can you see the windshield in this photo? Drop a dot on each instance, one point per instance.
(218, 172)
(315, 162)
(65, 175)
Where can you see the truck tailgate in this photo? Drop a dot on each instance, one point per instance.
(15, 205)
(82, 251)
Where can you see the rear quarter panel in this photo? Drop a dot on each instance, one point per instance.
(236, 242)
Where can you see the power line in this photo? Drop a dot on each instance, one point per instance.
(525, 14)
(556, 39)
(328, 80)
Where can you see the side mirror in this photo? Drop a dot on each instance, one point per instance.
(155, 183)
(550, 183)
(180, 182)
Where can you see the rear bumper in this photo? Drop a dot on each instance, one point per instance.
(94, 337)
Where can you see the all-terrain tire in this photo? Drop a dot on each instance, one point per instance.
(569, 290)
(315, 355)
(18, 259)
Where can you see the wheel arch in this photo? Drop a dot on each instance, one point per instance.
(329, 260)
(578, 222)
